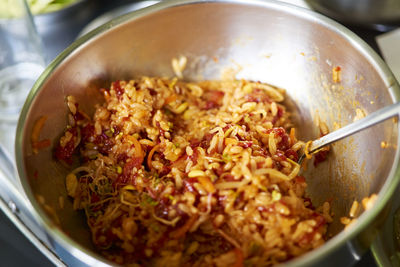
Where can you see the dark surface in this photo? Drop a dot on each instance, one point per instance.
(15, 249)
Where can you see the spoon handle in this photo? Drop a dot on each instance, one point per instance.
(352, 128)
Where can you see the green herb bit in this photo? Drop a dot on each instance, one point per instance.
(170, 197)
(156, 179)
(119, 136)
(167, 112)
(254, 248)
(155, 227)
(263, 188)
(226, 157)
(109, 133)
(276, 196)
(119, 169)
(149, 200)
(213, 178)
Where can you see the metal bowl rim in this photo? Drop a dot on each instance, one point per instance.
(334, 243)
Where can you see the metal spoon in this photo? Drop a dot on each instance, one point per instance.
(364, 123)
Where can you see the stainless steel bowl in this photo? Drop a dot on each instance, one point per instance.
(289, 47)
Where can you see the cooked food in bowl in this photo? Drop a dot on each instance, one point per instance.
(191, 174)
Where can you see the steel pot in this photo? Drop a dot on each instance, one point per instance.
(273, 42)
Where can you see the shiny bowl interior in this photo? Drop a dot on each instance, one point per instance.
(259, 40)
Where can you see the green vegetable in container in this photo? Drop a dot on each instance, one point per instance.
(9, 8)
(46, 6)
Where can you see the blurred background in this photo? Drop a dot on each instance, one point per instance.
(59, 22)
